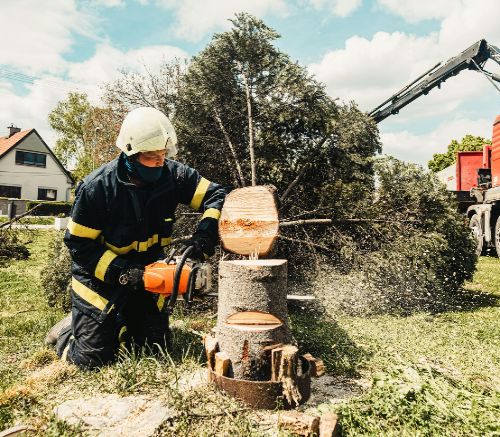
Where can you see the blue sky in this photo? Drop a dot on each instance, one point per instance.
(363, 50)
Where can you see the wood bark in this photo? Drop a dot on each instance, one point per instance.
(252, 315)
(284, 362)
(249, 221)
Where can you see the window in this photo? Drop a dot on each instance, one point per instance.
(10, 191)
(30, 158)
(47, 194)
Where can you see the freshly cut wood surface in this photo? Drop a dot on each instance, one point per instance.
(299, 423)
(253, 318)
(249, 221)
(221, 363)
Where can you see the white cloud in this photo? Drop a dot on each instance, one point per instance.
(33, 39)
(341, 8)
(196, 19)
(370, 71)
(420, 148)
(109, 3)
(415, 11)
(31, 110)
(104, 66)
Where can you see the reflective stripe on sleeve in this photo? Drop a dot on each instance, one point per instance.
(199, 194)
(166, 241)
(82, 231)
(211, 213)
(103, 264)
(88, 295)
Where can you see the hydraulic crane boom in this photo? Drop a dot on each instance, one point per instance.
(472, 58)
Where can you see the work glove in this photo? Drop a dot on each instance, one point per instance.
(132, 277)
(203, 244)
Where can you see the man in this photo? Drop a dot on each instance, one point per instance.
(121, 220)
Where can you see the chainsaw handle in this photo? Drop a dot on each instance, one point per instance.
(177, 277)
(188, 295)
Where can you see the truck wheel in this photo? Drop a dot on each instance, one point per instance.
(477, 233)
(497, 236)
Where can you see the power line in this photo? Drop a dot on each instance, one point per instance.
(21, 77)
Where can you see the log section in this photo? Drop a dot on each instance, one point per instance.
(249, 221)
(252, 315)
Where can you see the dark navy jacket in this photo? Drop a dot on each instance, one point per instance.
(114, 223)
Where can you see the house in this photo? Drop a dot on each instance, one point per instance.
(30, 170)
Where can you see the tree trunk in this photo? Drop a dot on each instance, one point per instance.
(249, 221)
(252, 316)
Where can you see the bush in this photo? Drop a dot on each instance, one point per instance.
(11, 247)
(56, 275)
(50, 208)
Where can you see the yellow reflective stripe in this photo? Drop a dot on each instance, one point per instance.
(166, 241)
(121, 250)
(66, 349)
(141, 246)
(122, 331)
(211, 213)
(82, 231)
(89, 295)
(103, 264)
(199, 194)
(161, 302)
(144, 245)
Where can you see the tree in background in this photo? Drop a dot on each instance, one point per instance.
(246, 114)
(470, 143)
(86, 133)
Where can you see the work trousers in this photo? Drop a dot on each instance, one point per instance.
(139, 325)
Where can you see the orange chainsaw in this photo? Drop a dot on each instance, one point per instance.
(176, 276)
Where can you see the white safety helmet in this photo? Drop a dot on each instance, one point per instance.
(147, 130)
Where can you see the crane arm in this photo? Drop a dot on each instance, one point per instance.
(472, 58)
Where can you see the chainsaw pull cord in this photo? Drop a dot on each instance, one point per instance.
(177, 276)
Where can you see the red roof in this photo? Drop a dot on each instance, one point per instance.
(7, 143)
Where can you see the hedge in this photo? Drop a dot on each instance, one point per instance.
(50, 208)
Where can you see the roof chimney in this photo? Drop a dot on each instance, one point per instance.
(13, 130)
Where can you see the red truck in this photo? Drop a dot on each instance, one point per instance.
(475, 178)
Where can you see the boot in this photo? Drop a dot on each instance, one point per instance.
(54, 332)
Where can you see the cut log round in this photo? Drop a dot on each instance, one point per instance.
(252, 315)
(249, 221)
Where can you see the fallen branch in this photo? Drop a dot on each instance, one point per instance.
(17, 217)
(340, 221)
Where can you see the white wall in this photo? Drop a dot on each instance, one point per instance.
(32, 178)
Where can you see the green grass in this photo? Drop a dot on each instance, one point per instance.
(431, 374)
(31, 220)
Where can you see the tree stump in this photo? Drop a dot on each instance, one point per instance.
(252, 315)
(249, 221)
